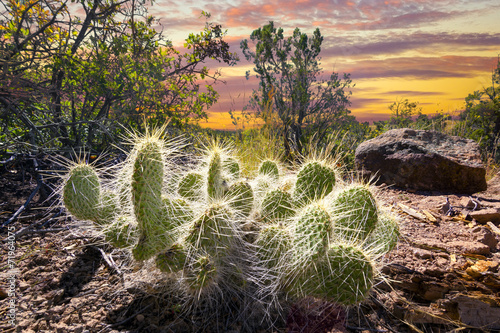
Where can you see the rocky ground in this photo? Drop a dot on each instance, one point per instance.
(442, 277)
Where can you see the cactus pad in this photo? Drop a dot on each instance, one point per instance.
(355, 212)
(277, 205)
(269, 168)
(314, 181)
(81, 192)
(240, 197)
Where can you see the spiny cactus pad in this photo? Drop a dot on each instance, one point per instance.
(213, 231)
(147, 181)
(81, 192)
(355, 212)
(314, 181)
(215, 180)
(277, 205)
(231, 167)
(385, 235)
(345, 275)
(311, 234)
(269, 168)
(121, 232)
(240, 196)
(273, 244)
(201, 275)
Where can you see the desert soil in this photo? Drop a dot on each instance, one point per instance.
(442, 277)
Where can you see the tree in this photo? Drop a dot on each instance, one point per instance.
(402, 112)
(481, 118)
(290, 96)
(70, 81)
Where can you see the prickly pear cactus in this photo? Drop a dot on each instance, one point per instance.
(298, 234)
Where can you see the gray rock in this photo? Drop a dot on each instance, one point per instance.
(486, 215)
(422, 160)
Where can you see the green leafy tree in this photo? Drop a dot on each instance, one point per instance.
(291, 97)
(402, 112)
(70, 81)
(481, 118)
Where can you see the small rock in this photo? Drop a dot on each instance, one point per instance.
(55, 295)
(469, 247)
(23, 285)
(140, 318)
(422, 254)
(486, 215)
(485, 236)
(476, 313)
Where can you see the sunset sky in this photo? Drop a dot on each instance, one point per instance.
(432, 51)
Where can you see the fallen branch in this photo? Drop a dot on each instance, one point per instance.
(109, 260)
(493, 227)
(412, 212)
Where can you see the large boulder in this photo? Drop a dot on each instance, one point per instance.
(422, 160)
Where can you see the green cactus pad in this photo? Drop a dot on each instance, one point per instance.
(273, 244)
(120, 233)
(212, 231)
(231, 167)
(215, 187)
(173, 260)
(147, 182)
(240, 196)
(385, 235)
(190, 186)
(311, 234)
(355, 212)
(314, 181)
(345, 275)
(81, 192)
(277, 205)
(269, 168)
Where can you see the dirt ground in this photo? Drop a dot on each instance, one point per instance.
(442, 277)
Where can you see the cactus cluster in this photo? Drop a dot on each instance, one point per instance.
(318, 237)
